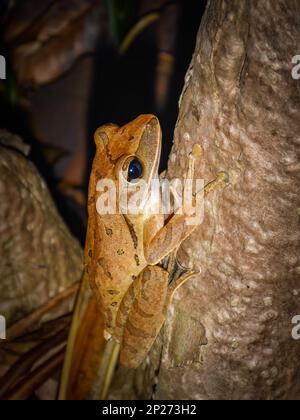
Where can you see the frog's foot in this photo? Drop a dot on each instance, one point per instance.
(180, 276)
(220, 182)
(195, 154)
(177, 273)
(107, 335)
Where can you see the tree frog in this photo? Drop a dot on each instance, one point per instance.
(125, 253)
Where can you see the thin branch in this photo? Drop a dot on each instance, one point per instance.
(25, 363)
(25, 388)
(21, 326)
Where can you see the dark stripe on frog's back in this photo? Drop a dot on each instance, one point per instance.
(132, 232)
(121, 247)
(118, 249)
(110, 235)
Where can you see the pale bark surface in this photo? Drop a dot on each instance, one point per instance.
(40, 269)
(39, 256)
(232, 322)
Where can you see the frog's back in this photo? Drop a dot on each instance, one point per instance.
(117, 259)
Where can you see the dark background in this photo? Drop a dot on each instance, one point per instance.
(100, 87)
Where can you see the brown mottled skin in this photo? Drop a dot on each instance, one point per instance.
(122, 251)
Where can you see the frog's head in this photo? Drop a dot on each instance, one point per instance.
(129, 155)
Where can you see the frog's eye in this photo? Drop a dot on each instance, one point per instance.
(135, 170)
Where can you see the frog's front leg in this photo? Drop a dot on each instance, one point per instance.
(171, 235)
(141, 314)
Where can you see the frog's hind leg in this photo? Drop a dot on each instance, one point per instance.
(126, 305)
(145, 317)
(144, 308)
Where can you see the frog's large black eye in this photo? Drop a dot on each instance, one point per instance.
(135, 170)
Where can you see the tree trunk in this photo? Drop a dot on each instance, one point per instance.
(228, 332)
(39, 257)
(40, 269)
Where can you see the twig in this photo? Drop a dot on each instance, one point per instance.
(25, 363)
(21, 326)
(24, 388)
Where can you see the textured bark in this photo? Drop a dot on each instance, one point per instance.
(47, 37)
(232, 322)
(39, 257)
